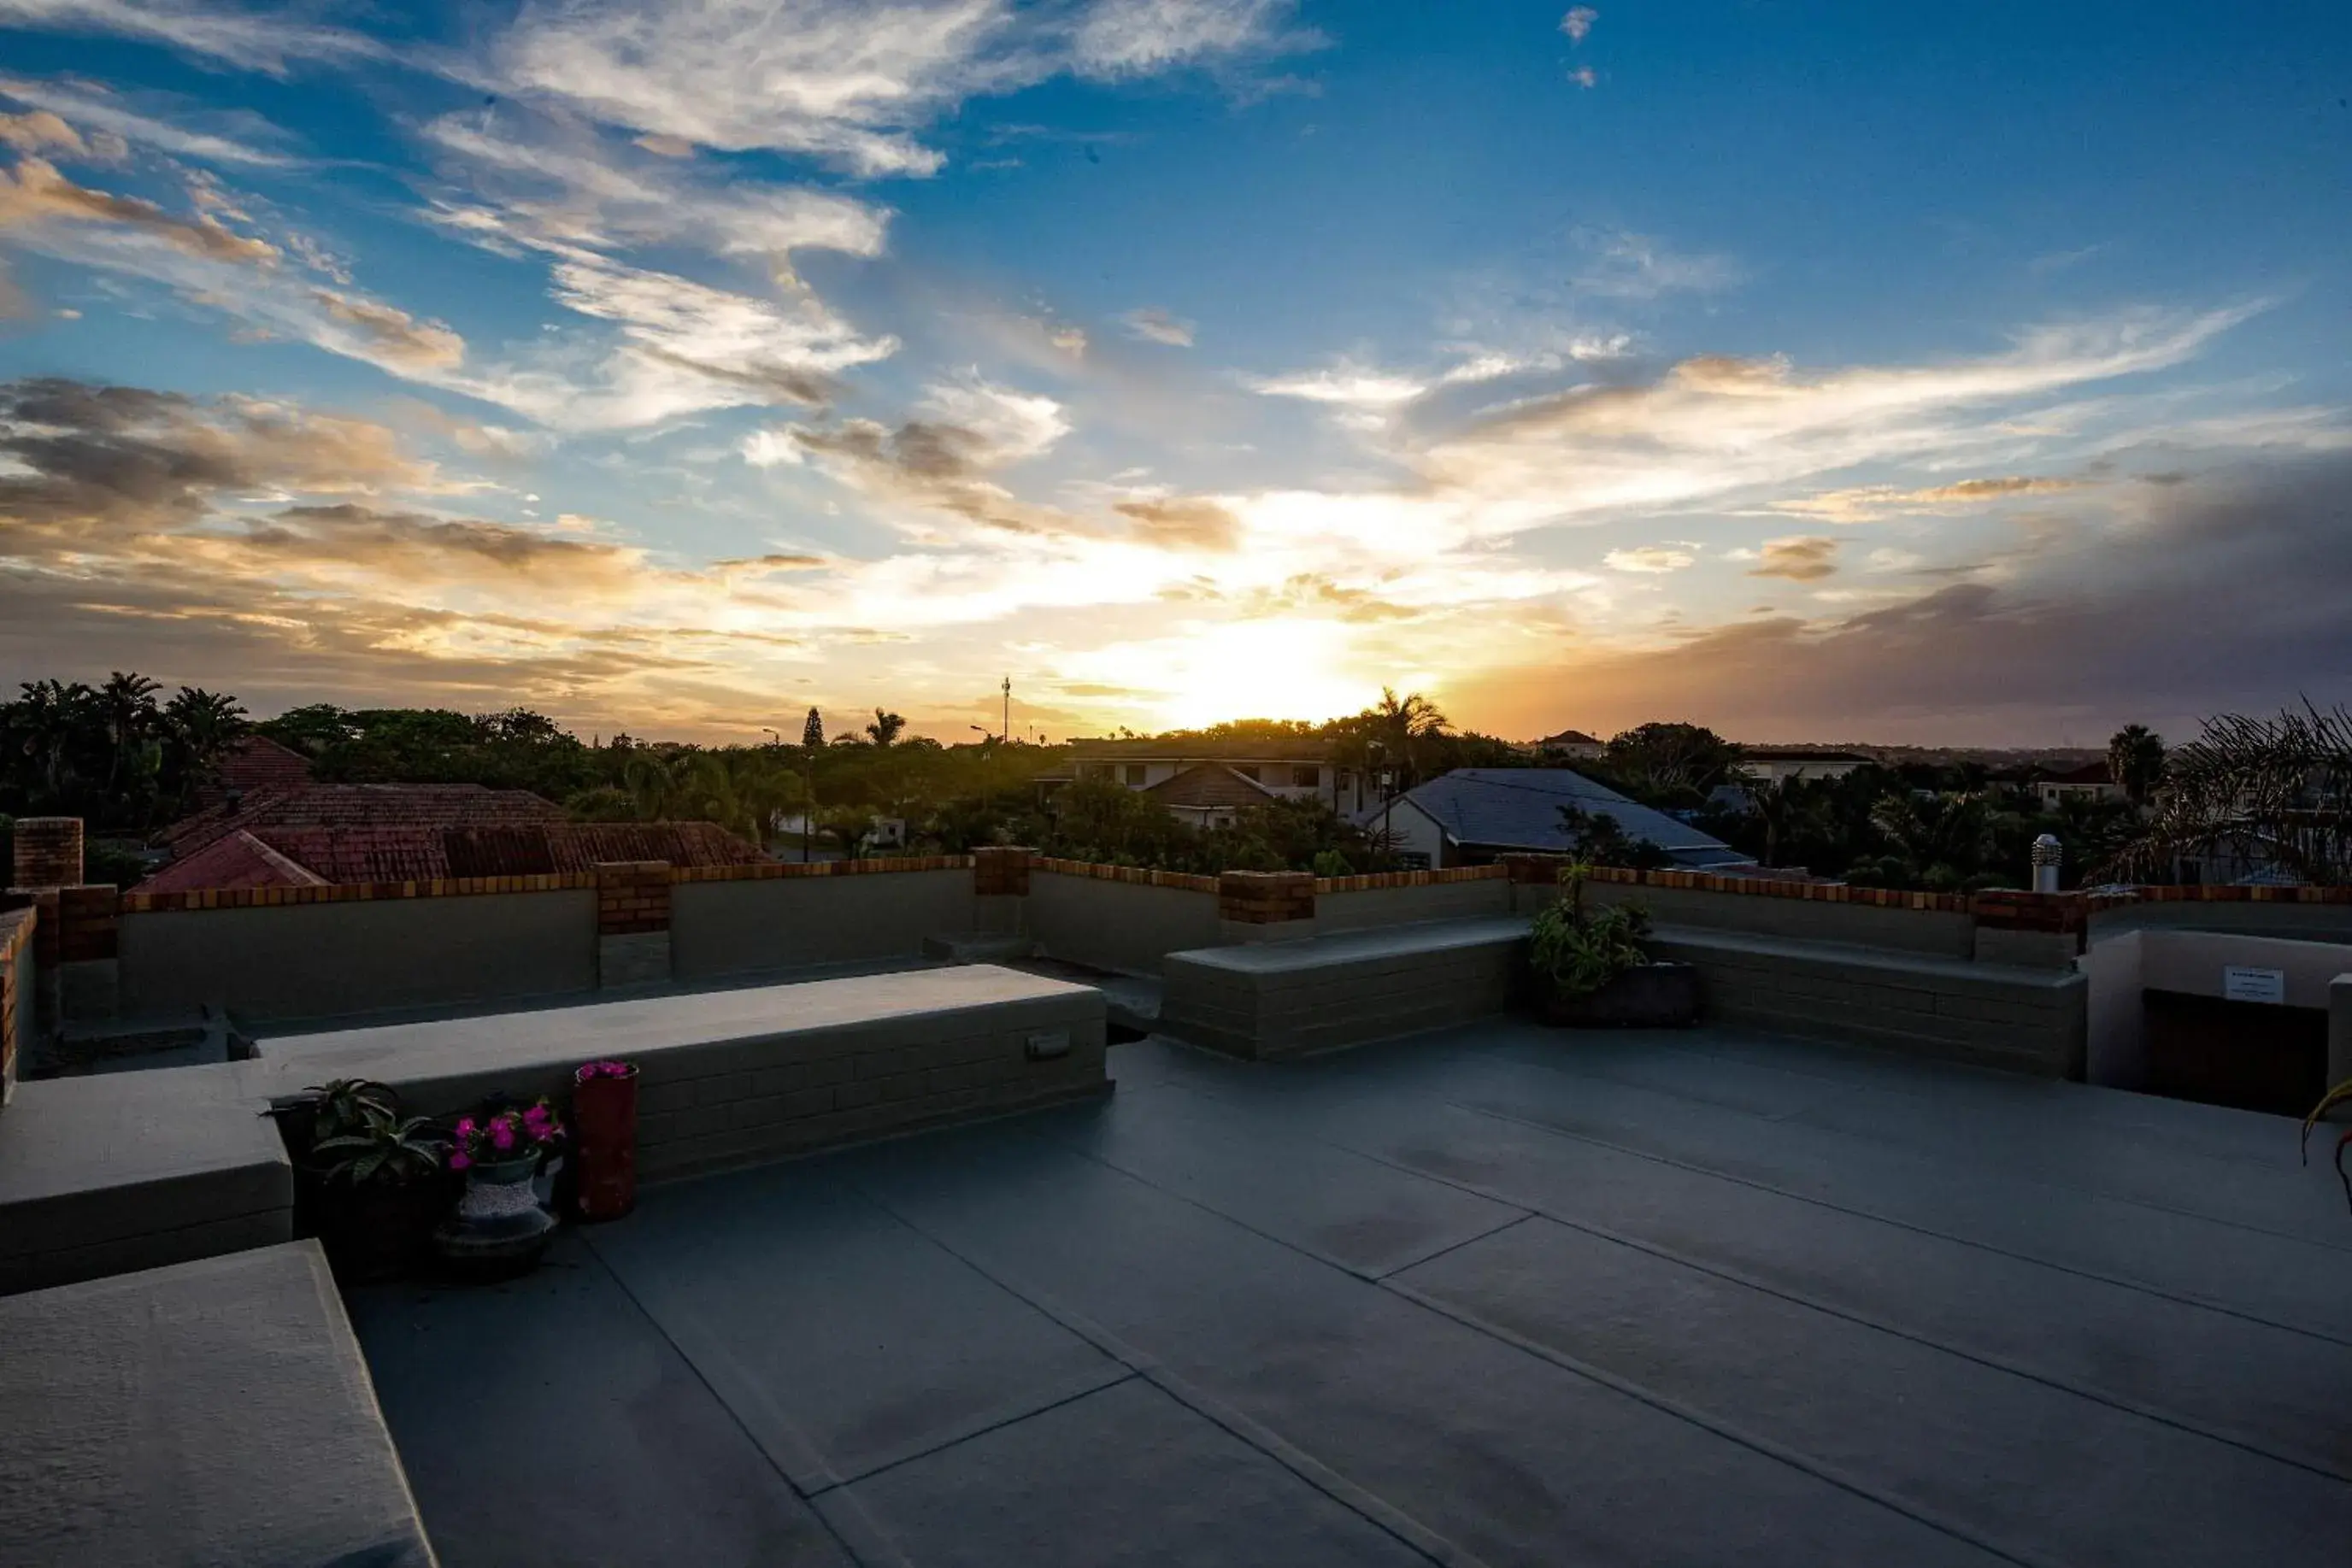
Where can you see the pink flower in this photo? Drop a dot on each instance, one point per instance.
(464, 1126)
(502, 1133)
(459, 1160)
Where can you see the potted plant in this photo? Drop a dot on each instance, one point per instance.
(501, 1227)
(1590, 967)
(374, 1177)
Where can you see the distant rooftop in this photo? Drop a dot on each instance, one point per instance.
(315, 835)
(1520, 809)
(1280, 748)
(1209, 785)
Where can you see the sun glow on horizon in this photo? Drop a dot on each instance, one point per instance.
(1255, 669)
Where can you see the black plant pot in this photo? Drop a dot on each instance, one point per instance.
(378, 1231)
(1653, 995)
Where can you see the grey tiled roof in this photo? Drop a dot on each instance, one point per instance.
(1518, 808)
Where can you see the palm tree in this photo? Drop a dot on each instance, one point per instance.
(1781, 805)
(203, 725)
(1946, 831)
(55, 721)
(2136, 762)
(885, 728)
(2273, 791)
(127, 703)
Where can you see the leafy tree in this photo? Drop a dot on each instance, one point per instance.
(2136, 762)
(1601, 839)
(812, 730)
(1669, 764)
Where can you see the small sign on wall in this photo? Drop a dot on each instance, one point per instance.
(2241, 983)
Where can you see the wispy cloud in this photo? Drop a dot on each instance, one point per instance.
(1345, 385)
(209, 136)
(1651, 558)
(1578, 22)
(1869, 503)
(1156, 325)
(1621, 265)
(1801, 558)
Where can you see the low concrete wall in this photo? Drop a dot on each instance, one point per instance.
(1481, 899)
(2023, 1020)
(1274, 999)
(121, 1171)
(2122, 967)
(1128, 927)
(2288, 919)
(1948, 934)
(771, 924)
(734, 1076)
(340, 959)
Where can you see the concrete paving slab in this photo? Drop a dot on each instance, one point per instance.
(1743, 1338)
(1501, 1453)
(1125, 1476)
(889, 1347)
(2275, 1279)
(548, 1423)
(1367, 1218)
(2040, 1470)
(210, 1412)
(2268, 1388)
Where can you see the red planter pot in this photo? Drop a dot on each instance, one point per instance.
(605, 1145)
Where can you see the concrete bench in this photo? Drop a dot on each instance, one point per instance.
(210, 1412)
(1993, 1015)
(125, 1171)
(1287, 999)
(736, 1077)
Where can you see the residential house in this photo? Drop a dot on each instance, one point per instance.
(1285, 767)
(1572, 743)
(2092, 781)
(318, 835)
(1771, 765)
(1474, 815)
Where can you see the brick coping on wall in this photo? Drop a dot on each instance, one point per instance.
(1525, 868)
(469, 886)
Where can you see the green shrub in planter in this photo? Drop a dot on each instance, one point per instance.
(1590, 967)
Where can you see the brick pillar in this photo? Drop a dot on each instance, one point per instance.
(2043, 930)
(90, 970)
(1266, 905)
(632, 923)
(16, 1010)
(1535, 879)
(1000, 882)
(48, 852)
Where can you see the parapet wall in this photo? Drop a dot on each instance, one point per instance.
(276, 955)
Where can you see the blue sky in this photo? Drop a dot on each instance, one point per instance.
(1815, 371)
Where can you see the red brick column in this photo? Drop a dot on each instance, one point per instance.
(1266, 898)
(16, 1010)
(2047, 929)
(48, 852)
(632, 896)
(1000, 871)
(632, 922)
(90, 923)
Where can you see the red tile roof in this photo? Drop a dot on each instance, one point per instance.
(345, 833)
(256, 762)
(1210, 784)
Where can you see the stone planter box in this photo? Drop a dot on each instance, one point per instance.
(1655, 996)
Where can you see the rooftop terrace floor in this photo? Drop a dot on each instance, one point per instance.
(1496, 1295)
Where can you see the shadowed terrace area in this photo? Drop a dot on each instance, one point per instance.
(1494, 1295)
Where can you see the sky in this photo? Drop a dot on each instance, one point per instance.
(1960, 375)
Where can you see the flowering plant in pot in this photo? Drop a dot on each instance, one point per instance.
(500, 1227)
(374, 1177)
(1590, 967)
